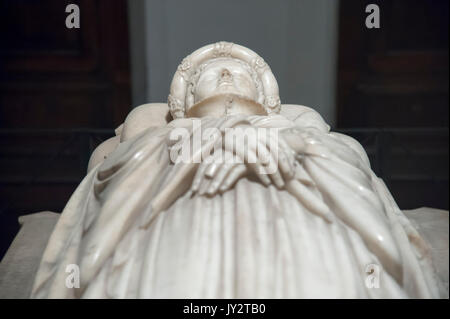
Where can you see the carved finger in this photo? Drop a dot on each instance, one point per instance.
(218, 179)
(269, 146)
(211, 170)
(198, 177)
(216, 161)
(238, 154)
(286, 158)
(277, 179)
(264, 156)
(254, 164)
(204, 185)
(260, 172)
(233, 121)
(251, 159)
(235, 174)
(250, 156)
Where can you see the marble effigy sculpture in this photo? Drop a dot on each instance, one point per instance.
(299, 215)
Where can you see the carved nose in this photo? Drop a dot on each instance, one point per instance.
(226, 75)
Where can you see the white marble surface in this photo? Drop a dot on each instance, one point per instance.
(433, 225)
(19, 265)
(21, 262)
(296, 213)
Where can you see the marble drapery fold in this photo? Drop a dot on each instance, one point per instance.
(252, 241)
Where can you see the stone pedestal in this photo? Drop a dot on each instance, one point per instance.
(20, 264)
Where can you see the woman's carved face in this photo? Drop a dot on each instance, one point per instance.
(225, 77)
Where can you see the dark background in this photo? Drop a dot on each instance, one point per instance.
(63, 91)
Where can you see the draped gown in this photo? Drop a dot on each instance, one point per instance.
(253, 241)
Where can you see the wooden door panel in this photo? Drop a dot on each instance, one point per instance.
(56, 86)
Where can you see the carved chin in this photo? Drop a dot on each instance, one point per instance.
(226, 88)
(223, 104)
